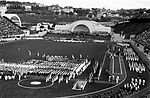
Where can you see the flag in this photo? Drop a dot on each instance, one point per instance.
(80, 55)
(38, 54)
(73, 57)
(29, 52)
(43, 56)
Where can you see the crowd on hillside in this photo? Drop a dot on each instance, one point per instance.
(8, 28)
(144, 39)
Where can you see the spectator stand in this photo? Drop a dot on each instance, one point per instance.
(7, 27)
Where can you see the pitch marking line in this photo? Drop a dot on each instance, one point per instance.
(100, 70)
(120, 64)
(33, 87)
(113, 64)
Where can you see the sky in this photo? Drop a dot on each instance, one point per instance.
(108, 4)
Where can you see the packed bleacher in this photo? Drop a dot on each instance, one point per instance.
(7, 27)
(143, 39)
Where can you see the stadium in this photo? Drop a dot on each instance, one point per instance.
(71, 65)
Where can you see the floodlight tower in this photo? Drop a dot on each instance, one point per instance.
(3, 7)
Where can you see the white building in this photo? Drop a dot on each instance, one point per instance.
(3, 7)
(28, 8)
(85, 26)
(68, 9)
(55, 8)
(42, 26)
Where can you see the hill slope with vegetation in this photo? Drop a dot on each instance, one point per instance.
(135, 26)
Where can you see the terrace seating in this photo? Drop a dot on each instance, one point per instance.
(143, 38)
(7, 27)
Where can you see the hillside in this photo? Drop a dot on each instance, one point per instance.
(34, 19)
(135, 26)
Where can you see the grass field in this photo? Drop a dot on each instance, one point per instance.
(16, 51)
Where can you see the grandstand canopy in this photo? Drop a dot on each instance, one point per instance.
(85, 26)
(14, 18)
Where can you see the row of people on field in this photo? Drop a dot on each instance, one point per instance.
(136, 66)
(66, 65)
(55, 65)
(10, 76)
(130, 54)
(56, 58)
(20, 70)
(114, 78)
(134, 85)
(134, 63)
(55, 77)
(49, 76)
(59, 69)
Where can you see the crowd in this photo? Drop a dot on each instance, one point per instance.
(131, 86)
(130, 54)
(8, 28)
(134, 63)
(134, 85)
(53, 68)
(56, 58)
(114, 78)
(144, 39)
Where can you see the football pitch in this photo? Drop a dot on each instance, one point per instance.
(35, 49)
(16, 51)
(19, 50)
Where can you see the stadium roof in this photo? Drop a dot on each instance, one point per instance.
(14, 18)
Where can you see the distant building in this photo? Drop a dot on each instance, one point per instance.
(42, 26)
(28, 8)
(68, 9)
(100, 14)
(3, 7)
(55, 8)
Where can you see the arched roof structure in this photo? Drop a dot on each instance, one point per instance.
(81, 28)
(92, 25)
(85, 26)
(14, 17)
